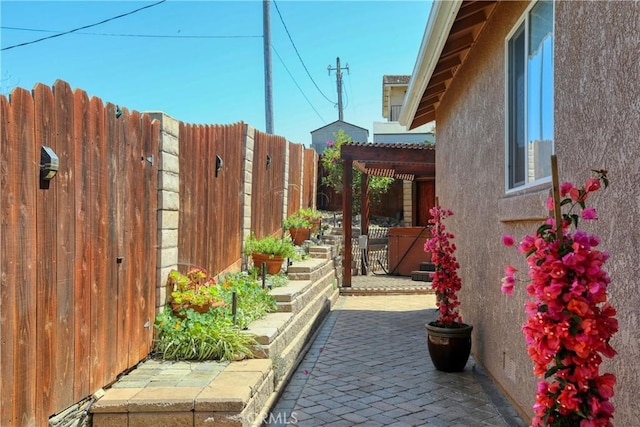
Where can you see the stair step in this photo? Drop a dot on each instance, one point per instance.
(421, 276)
(427, 266)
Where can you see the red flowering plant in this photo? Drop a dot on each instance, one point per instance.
(569, 320)
(446, 281)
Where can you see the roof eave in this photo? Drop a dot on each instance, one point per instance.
(441, 19)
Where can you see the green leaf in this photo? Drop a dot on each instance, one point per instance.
(575, 218)
(551, 371)
(543, 228)
(565, 201)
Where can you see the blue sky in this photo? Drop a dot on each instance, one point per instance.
(218, 80)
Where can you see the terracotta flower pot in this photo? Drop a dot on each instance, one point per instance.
(449, 348)
(299, 235)
(273, 264)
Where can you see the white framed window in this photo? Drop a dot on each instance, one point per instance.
(529, 98)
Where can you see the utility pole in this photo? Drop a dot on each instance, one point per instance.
(339, 83)
(268, 88)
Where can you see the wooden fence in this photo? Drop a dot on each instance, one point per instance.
(294, 197)
(268, 184)
(81, 259)
(78, 284)
(211, 198)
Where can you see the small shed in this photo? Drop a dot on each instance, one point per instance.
(320, 136)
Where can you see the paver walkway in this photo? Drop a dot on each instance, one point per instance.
(369, 366)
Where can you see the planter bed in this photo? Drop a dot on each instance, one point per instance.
(228, 393)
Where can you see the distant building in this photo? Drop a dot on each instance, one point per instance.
(320, 136)
(393, 93)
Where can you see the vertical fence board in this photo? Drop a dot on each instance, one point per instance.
(84, 162)
(185, 218)
(215, 214)
(295, 178)
(102, 233)
(310, 181)
(233, 195)
(148, 234)
(5, 311)
(135, 196)
(47, 296)
(114, 315)
(20, 169)
(122, 294)
(65, 246)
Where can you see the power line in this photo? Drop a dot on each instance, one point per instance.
(298, 53)
(296, 83)
(83, 27)
(182, 36)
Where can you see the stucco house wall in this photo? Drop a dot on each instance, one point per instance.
(597, 125)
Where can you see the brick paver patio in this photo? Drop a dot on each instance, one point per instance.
(369, 366)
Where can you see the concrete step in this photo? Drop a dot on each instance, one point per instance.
(421, 276)
(427, 266)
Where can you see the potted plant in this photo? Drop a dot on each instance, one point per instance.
(299, 227)
(271, 250)
(569, 320)
(195, 290)
(314, 217)
(449, 339)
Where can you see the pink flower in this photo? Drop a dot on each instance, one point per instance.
(589, 214)
(569, 321)
(565, 187)
(593, 184)
(507, 285)
(507, 240)
(550, 203)
(605, 385)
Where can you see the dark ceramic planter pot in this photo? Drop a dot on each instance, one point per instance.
(449, 348)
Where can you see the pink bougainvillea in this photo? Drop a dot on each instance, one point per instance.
(446, 281)
(569, 320)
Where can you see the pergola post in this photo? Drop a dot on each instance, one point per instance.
(347, 208)
(364, 216)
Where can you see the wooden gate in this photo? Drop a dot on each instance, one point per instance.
(78, 264)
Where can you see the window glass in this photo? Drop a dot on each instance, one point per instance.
(530, 97)
(540, 90)
(516, 109)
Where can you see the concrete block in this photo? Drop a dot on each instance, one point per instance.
(110, 420)
(167, 123)
(168, 181)
(168, 219)
(168, 200)
(168, 238)
(169, 163)
(218, 419)
(164, 399)
(115, 400)
(154, 419)
(167, 257)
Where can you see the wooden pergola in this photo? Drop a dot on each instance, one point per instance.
(395, 160)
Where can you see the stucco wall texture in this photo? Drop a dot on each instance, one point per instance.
(597, 125)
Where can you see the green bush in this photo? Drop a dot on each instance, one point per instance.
(213, 335)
